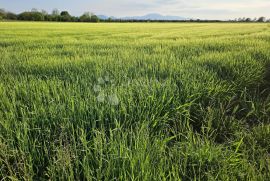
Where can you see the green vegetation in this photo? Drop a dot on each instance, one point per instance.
(134, 101)
(35, 15)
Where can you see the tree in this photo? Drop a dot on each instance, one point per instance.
(55, 12)
(65, 16)
(86, 17)
(74, 19)
(46, 15)
(248, 20)
(240, 19)
(11, 16)
(2, 14)
(31, 16)
(94, 18)
(261, 19)
(64, 13)
(55, 16)
(44, 12)
(243, 19)
(89, 17)
(24, 16)
(37, 16)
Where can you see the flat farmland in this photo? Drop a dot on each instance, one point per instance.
(134, 101)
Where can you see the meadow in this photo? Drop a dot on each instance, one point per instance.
(134, 101)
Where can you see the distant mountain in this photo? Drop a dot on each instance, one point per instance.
(104, 17)
(154, 16)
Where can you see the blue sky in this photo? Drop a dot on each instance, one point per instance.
(210, 9)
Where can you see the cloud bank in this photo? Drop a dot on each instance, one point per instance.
(204, 9)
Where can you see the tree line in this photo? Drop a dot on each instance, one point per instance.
(55, 15)
(64, 16)
(244, 19)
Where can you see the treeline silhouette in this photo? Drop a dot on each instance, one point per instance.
(260, 19)
(56, 15)
(64, 16)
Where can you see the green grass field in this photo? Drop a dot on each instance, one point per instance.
(152, 101)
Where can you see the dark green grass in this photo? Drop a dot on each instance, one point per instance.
(134, 101)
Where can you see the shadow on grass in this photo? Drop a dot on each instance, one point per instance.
(253, 104)
(223, 72)
(264, 88)
(249, 107)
